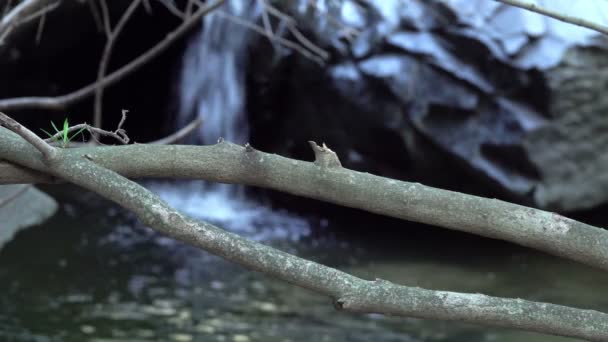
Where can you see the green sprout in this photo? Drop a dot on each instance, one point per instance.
(63, 134)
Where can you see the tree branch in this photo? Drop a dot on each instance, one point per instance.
(557, 15)
(349, 293)
(61, 102)
(227, 163)
(47, 150)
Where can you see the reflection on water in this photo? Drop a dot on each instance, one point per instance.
(93, 274)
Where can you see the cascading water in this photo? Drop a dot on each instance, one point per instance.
(213, 88)
(212, 82)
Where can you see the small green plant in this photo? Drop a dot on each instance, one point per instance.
(63, 135)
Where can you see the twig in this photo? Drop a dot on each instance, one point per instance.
(105, 16)
(170, 6)
(285, 42)
(40, 13)
(96, 15)
(189, 8)
(180, 134)
(119, 134)
(105, 60)
(557, 15)
(147, 6)
(60, 102)
(266, 19)
(40, 28)
(24, 12)
(293, 28)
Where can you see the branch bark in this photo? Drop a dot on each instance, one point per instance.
(230, 163)
(349, 293)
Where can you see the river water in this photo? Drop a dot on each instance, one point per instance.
(92, 273)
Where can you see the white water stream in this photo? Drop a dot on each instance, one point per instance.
(213, 88)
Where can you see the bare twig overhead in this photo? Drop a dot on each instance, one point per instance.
(112, 37)
(180, 134)
(61, 102)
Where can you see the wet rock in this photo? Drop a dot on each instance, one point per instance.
(22, 206)
(571, 150)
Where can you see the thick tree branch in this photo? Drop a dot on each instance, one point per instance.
(47, 150)
(61, 102)
(557, 15)
(227, 163)
(349, 293)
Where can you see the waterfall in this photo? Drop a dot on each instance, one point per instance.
(213, 75)
(212, 87)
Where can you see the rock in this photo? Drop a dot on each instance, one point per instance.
(510, 97)
(571, 150)
(22, 206)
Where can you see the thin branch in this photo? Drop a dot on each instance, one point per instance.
(180, 134)
(40, 28)
(105, 16)
(293, 28)
(170, 6)
(119, 133)
(105, 60)
(40, 13)
(189, 8)
(557, 15)
(61, 102)
(348, 292)
(22, 13)
(266, 19)
(96, 15)
(147, 6)
(279, 39)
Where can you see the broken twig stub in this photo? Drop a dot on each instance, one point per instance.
(324, 156)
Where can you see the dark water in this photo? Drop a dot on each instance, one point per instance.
(93, 274)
